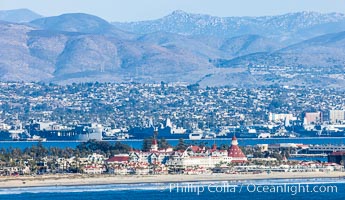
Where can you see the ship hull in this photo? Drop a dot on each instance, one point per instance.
(142, 133)
(79, 133)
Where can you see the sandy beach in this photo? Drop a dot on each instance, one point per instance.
(69, 180)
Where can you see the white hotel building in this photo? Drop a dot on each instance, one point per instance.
(194, 156)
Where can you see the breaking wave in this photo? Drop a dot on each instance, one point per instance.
(160, 186)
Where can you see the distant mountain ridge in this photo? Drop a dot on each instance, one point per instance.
(76, 22)
(291, 25)
(303, 48)
(322, 51)
(18, 15)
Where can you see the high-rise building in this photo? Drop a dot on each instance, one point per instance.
(336, 115)
(274, 117)
(312, 117)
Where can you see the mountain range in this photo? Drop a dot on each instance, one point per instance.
(18, 15)
(287, 28)
(305, 48)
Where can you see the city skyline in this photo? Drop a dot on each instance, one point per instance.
(151, 9)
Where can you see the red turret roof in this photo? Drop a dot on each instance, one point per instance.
(235, 151)
(154, 142)
(234, 137)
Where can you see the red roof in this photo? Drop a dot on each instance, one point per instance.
(118, 159)
(338, 153)
(235, 152)
(238, 161)
(195, 149)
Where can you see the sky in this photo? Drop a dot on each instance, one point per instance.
(136, 10)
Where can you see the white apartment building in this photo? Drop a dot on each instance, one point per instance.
(336, 116)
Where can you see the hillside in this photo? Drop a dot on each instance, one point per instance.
(183, 47)
(288, 28)
(18, 16)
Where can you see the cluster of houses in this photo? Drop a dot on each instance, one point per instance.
(162, 161)
(192, 160)
(197, 160)
(155, 161)
(120, 107)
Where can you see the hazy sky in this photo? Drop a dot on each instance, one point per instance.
(134, 10)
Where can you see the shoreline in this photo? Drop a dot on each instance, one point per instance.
(83, 180)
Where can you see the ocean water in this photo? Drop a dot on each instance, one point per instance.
(138, 143)
(306, 189)
(322, 159)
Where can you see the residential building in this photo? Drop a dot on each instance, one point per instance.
(312, 118)
(196, 157)
(335, 116)
(274, 117)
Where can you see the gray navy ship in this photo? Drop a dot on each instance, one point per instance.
(52, 131)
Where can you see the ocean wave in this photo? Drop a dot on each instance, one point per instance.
(162, 186)
(84, 188)
(307, 181)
